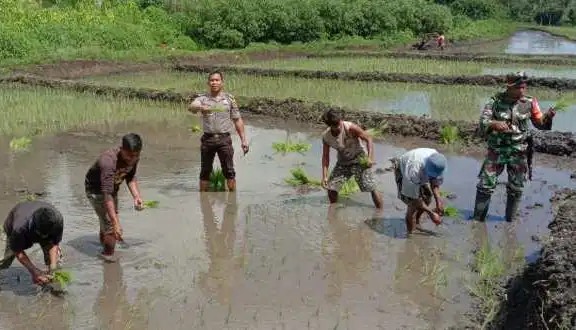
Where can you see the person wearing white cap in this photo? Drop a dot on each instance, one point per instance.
(418, 174)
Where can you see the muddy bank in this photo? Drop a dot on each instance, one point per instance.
(543, 296)
(551, 142)
(484, 80)
(560, 60)
(81, 68)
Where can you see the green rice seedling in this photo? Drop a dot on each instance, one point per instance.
(150, 204)
(62, 277)
(285, 147)
(364, 161)
(349, 187)
(451, 212)
(195, 129)
(217, 180)
(299, 178)
(20, 144)
(218, 108)
(561, 105)
(449, 134)
(29, 197)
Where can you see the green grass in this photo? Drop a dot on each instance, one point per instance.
(286, 147)
(438, 101)
(217, 180)
(349, 187)
(451, 212)
(29, 111)
(62, 277)
(449, 134)
(298, 177)
(406, 65)
(150, 204)
(20, 144)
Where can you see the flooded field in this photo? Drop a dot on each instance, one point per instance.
(267, 257)
(403, 65)
(539, 43)
(436, 101)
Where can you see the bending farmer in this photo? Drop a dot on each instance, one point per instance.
(102, 183)
(220, 115)
(28, 223)
(504, 124)
(345, 137)
(418, 174)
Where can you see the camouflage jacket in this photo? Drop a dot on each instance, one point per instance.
(517, 114)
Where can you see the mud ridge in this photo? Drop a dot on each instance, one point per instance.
(548, 142)
(483, 80)
(543, 296)
(560, 60)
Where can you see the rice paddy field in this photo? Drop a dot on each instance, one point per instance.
(274, 254)
(436, 101)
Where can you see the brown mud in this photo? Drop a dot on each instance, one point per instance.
(543, 296)
(548, 142)
(483, 80)
(560, 60)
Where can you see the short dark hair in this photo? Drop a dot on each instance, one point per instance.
(47, 220)
(332, 117)
(216, 72)
(132, 142)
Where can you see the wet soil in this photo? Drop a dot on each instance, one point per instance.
(543, 296)
(266, 257)
(549, 142)
(560, 60)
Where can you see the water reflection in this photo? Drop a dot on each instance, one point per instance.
(564, 73)
(218, 280)
(351, 255)
(539, 43)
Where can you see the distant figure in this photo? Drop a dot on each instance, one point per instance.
(441, 41)
(220, 116)
(345, 137)
(418, 174)
(28, 223)
(504, 123)
(102, 183)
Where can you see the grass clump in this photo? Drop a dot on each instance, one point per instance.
(561, 105)
(195, 129)
(217, 180)
(490, 267)
(299, 178)
(285, 147)
(62, 277)
(451, 212)
(449, 134)
(349, 187)
(150, 204)
(20, 144)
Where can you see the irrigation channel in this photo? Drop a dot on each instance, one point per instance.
(271, 255)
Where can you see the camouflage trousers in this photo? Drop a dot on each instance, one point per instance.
(516, 164)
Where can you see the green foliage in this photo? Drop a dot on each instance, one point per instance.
(285, 147)
(150, 204)
(451, 212)
(478, 9)
(449, 134)
(29, 30)
(217, 180)
(62, 277)
(299, 177)
(20, 144)
(349, 187)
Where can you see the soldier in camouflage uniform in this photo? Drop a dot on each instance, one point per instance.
(504, 123)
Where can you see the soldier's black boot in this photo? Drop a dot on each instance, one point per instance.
(481, 205)
(512, 205)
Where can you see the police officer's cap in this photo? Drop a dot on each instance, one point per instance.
(516, 78)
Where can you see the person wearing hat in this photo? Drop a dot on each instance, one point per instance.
(31, 222)
(504, 124)
(418, 174)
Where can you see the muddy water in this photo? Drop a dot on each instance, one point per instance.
(268, 257)
(539, 43)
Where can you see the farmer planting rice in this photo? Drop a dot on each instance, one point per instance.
(418, 174)
(353, 160)
(28, 223)
(504, 123)
(220, 115)
(102, 183)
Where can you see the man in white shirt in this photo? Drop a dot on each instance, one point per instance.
(418, 174)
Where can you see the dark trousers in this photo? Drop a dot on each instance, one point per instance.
(212, 144)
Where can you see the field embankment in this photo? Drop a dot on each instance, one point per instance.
(543, 296)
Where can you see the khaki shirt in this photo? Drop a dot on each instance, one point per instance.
(216, 121)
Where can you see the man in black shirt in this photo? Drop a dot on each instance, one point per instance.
(32, 222)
